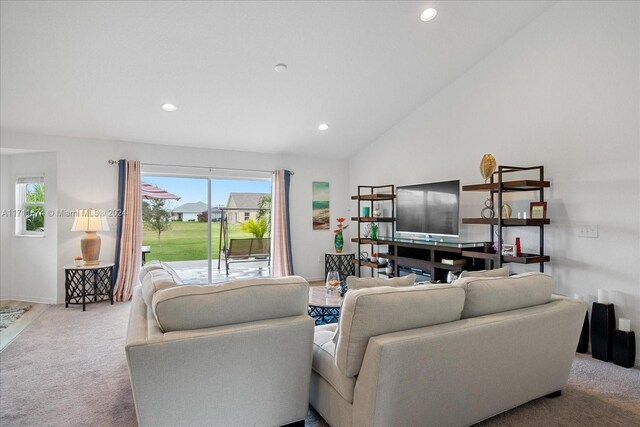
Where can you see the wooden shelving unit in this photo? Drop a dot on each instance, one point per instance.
(367, 196)
(497, 188)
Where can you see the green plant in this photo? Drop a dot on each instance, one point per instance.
(257, 228)
(155, 216)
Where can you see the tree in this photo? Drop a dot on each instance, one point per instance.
(155, 216)
(257, 228)
(34, 214)
(264, 212)
(264, 206)
(202, 217)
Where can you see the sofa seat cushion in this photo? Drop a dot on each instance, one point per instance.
(488, 295)
(366, 313)
(194, 306)
(154, 281)
(324, 365)
(354, 282)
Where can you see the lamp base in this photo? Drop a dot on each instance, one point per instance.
(90, 246)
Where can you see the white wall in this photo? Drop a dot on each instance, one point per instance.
(6, 226)
(84, 178)
(563, 93)
(29, 264)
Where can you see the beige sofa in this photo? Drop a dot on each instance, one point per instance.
(443, 355)
(237, 354)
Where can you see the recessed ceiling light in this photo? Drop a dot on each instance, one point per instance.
(169, 107)
(280, 68)
(323, 126)
(428, 14)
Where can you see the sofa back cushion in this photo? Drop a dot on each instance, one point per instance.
(194, 307)
(488, 295)
(496, 272)
(370, 312)
(155, 280)
(354, 282)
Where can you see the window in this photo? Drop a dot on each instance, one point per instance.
(30, 206)
(247, 215)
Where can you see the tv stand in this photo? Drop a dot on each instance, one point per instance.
(434, 257)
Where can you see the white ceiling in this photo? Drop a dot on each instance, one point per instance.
(102, 69)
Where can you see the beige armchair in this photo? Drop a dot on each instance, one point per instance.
(236, 354)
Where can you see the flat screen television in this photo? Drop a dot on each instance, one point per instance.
(429, 209)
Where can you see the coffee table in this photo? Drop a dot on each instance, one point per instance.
(324, 307)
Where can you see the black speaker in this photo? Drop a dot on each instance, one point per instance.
(603, 322)
(624, 348)
(583, 343)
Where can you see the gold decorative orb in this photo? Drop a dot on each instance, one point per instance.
(487, 166)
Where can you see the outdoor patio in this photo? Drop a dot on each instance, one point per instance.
(195, 272)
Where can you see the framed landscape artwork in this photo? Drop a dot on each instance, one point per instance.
(320, 205)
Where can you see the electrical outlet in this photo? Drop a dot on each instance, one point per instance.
(587, 230)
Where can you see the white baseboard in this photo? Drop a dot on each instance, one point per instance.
(36, 300)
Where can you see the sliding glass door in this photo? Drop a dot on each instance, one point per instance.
(193, 231)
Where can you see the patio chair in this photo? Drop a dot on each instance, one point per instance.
(247, 250)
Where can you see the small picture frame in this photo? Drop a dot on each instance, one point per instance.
(508, 250)
(538, 210)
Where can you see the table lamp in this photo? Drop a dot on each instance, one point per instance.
(90, 221)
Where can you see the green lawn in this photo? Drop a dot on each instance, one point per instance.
(186, 241)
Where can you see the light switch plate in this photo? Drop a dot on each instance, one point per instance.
(587, 230)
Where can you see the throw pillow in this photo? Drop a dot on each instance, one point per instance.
(154, 281)
(354, 282)
(147, 267)
(498, 272)
(172, 272)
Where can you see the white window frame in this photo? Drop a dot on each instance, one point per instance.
(22, 204)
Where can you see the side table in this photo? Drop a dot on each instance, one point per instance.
(87, 284)
(340, 262)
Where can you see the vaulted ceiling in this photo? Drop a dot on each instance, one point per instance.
(103, 69)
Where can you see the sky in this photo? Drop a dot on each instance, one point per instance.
(193, 190)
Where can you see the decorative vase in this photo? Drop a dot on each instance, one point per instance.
(506, 210)
(338, 241)
(487, 166)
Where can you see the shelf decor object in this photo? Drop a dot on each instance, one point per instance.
(338, 240)
(487, 168)
(603, 323)
(624, 344)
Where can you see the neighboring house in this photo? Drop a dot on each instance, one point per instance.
(216, 213)
(241, 201)
(189, 211)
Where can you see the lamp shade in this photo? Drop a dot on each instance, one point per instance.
(89, 220)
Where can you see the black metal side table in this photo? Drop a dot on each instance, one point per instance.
(87, 284)
(340, 262)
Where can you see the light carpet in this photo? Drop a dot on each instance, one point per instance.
(68, 368)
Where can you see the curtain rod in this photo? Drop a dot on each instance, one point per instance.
(115, 162)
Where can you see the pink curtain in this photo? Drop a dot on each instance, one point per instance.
(282, 262)
(131, 234)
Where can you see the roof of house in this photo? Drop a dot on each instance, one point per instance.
(245, 200)
(191, 208)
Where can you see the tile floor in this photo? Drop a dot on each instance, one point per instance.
(195, 272)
